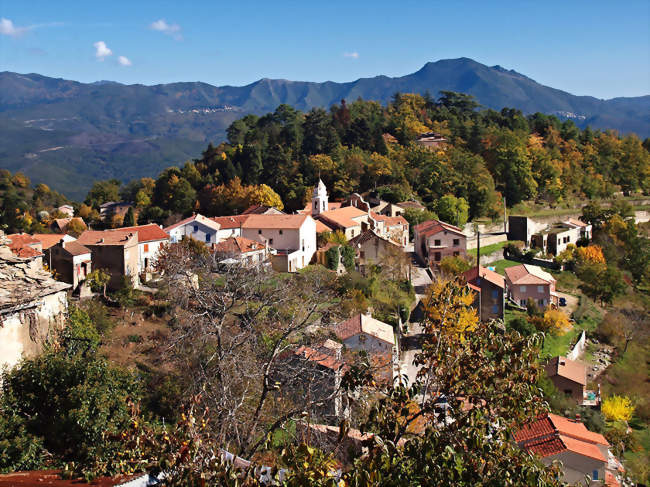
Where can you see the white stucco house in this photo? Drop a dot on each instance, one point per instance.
(363, 332)
(292, 238)
(197, 226)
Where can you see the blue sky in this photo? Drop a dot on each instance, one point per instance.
(585, 47)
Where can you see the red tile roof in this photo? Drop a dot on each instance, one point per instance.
(62, 223)
(389, 220)
(238, 245)
(365, 324)
(48, 239)
(611, 480)
(364, 237)
(325, 359)
(275, 221)
(232, 221)
(322, 228)
(484, 273)
(147, 233)
(520, 274)
(107, 237)
(432, 227)
(21, 245)
(210, 223)
(569, 369)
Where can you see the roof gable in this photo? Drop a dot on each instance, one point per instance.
(569, 369)
(362, 323)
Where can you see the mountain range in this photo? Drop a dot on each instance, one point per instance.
(68, 134)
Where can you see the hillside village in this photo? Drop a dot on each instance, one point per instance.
(361, 237)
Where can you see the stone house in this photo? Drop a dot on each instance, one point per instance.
(395, 228)
(373, 249)
(569, 376)
(197, 226)
(434, 240)
(348, 219)
(527, 281)
(490, 289)
(114, 251)
(71, 261)
(32, 305)
(151, 239)
(292, 238)
(313, 374)
(582, 452)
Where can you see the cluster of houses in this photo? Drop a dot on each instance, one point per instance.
(261, 235)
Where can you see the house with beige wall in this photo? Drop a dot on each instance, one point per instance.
(569, 376)
(363, 332)
(582, 452)
(527, 281)
(114, 251)
(434, 240)
(197, 226)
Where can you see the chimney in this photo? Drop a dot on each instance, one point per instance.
(101, 240)
(578, 418)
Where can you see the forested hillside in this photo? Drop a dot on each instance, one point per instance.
(365, 147)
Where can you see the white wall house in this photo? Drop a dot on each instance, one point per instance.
(229, 226)
(197, 227)
(292, 237)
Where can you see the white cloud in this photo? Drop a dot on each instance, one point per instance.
(124, 61)
(353, 55)
(102, 50)
(173, 30)
(8, 28)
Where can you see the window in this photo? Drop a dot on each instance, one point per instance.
(436, 256)
(495, 294)
(146, 247)
(270, 241)
(436, 243)
(540, 289)
(280, 232)
(522, 302)
(456, 242)
(259, 232)
(196, 228)
(495, 309)
(207, 237)
(522, 289)
(541, 302)
(594, 475)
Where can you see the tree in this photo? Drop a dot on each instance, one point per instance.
(333, 257)
(453, 210)
(447, 308)
(103, 192)
(75, 227)
(243, 312)
(454, 266)
(617, 408)
(129, 218)
(98, 280)
(69, 403)
(554, 321)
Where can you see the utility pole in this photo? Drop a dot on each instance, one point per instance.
(505, 219)
(478, 251)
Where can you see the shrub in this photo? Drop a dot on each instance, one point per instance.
(522, 325)
(348, 254)
(454, 266)
(332, 257)
(617, 408)
(513, 249)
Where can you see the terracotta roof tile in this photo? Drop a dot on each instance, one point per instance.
(325, 359)
(432, 227)
(275, 221)
(343, 217)
(75, 248)
(231, 221)
(484, 273)
(364, 237)
(107, 237)
(48, 239)
(322, 228)
(22, 245)
(569, 369)
(52, 478)
(147, 233)
(525, 274)
(365, 324)
(238, 245)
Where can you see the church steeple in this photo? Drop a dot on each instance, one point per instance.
(319, 201)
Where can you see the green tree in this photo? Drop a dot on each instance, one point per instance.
(129, 218)
(453, 210)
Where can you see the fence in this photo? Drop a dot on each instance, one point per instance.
(578, 348)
